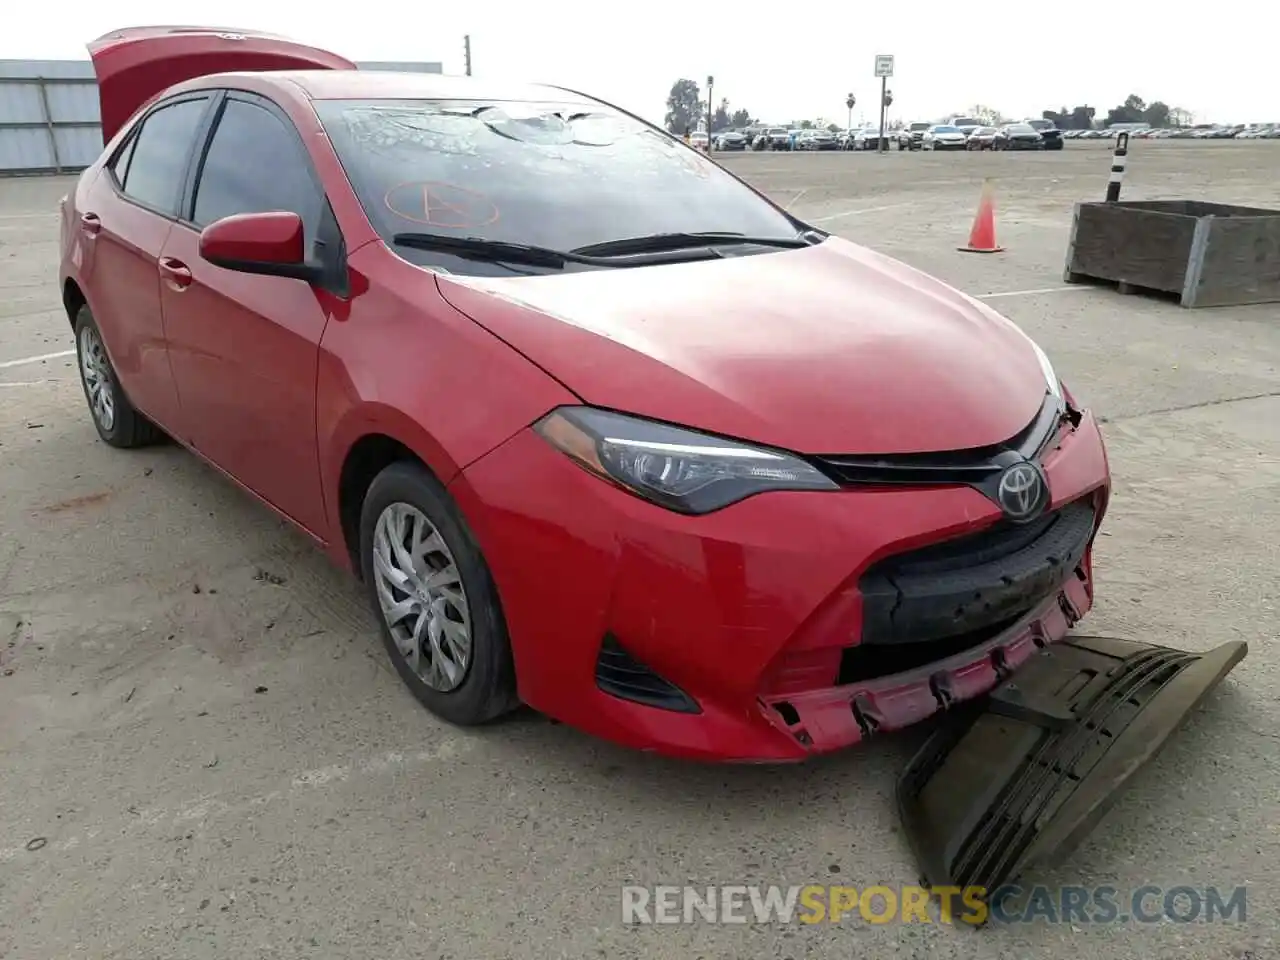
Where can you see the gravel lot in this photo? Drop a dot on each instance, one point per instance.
(196, 713)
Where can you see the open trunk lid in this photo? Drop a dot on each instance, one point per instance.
(1020, 780)
(135, 64)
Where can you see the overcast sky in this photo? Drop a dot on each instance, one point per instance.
(781, 61)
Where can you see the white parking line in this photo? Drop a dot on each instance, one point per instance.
(1031, 293)
(854, 213)
(23, 361)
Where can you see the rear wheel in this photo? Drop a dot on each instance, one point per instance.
(432, 592)
(116, 419)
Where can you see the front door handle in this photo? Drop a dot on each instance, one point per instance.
(90, 223)
(176, 273)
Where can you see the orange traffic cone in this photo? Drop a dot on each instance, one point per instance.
(982, 237)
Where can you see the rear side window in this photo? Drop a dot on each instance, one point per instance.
(120, 165)
(255, 164)
(159, 155)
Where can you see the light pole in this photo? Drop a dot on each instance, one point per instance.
(711, 82)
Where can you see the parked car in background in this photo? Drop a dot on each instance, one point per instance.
(817, 140)
(944, 136)
(1049, 133)
(911, 136)
(641, 452)
(775, 138)
(699, 139)
(966, 125)
(981, 139)
(730, 140)
(868, 138)
(1018, 136)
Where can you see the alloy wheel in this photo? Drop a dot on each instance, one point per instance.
(95, 370)
(422, 598)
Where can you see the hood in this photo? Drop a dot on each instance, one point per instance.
(829, 349)
(135, 64)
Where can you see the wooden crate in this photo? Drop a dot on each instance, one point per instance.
(1207, 254)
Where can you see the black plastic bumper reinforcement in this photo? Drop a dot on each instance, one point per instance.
(1018, 781)
(621, 675)
(969, 584)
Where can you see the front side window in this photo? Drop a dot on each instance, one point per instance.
(159, 155)
(553, 175)
(255, 164)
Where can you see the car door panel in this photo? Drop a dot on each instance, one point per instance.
(245, 347)
(126, 219)
(126, 302)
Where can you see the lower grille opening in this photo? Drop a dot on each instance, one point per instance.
(621, 675)
(872, 661)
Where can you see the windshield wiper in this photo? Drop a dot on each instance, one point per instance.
(679, 241)
(478, 248)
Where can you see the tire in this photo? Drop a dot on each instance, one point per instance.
(117, 421)
(483, 686)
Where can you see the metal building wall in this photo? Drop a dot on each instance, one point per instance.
(49, 120)
(49, 113)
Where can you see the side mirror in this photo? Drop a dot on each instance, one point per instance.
(270, 244)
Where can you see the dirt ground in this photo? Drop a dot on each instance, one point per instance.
(197, 717)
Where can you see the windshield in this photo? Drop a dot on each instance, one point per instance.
(550, 175)
(1021, 128)
(919, 126)
(1040, 124)
(946, 129)
(965, 122)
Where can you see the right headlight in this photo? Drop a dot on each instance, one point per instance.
(681, 470)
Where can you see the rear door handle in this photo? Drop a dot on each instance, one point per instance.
(90, 223)
(175, 272)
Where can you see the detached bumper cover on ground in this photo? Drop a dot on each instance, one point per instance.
(1018, 781)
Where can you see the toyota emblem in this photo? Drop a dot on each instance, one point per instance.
(1022, 492)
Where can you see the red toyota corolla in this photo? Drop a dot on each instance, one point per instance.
(602, 429)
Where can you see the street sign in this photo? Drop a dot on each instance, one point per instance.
(884, 65)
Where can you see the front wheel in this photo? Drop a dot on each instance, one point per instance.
(432, 592)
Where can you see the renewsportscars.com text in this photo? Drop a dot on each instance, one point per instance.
(813, 904)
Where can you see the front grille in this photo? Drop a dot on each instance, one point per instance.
(977, 467)
(621, 675)
(975, 583)
(947, 466)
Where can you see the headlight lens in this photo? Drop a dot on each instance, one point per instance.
(681, 470)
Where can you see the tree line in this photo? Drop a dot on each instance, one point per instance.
(1133, 110)
(687, 110)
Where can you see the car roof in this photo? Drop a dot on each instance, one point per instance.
(392, 85)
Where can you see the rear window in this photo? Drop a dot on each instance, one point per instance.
(160, 152)
(547, 174)
(946, 129)
(966, 122)
(919, 126)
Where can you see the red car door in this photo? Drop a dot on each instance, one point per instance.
(125, 218)
(245, 347)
